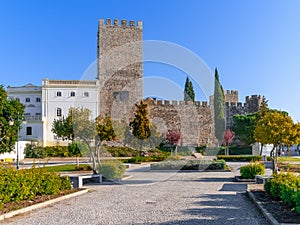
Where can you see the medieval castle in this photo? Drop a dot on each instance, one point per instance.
(120, 75)
(116, 89)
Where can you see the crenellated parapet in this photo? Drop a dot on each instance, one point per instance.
(231, 96)
(175, 103)
(117, 23)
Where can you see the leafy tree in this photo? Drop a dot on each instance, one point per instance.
(11, 116)
(173, 138)
(189, 94)
(141, 123)
(228, 139)
(244, 126)
(63, 127)
(219, 108)
(276, 128)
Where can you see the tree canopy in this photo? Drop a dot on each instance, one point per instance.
(276, 128)
(189, 93)
(11, 116)
(244, 126)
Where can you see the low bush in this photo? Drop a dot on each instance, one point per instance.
(189, 165)
(285, 186)
(33, 151)
(121, 151)
(240, 158)
(249, 171)
(17, 185)
(57, 151)
(112, 169)
(84, 167)
(140, 159)
(217, 165)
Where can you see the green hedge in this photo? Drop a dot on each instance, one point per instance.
(189, 165)
(121, 151)
(240, 158)
(286, 187)
(139, 159)
(249, 171)
(17, 185)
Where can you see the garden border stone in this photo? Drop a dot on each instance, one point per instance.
(41, 205)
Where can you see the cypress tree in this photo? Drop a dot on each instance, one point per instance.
(219, 108)
(189, 94)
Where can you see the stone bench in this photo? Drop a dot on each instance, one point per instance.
(77, 180)
(259, 179)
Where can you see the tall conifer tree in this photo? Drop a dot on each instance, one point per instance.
(219, 108)
(189, 94)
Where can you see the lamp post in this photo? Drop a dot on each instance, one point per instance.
(11, 123)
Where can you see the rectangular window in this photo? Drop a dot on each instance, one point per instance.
(27, 100)
(38, 99)
(38, 114)
(121, 96)
(58, 112)
(86, 94)
(28, 130)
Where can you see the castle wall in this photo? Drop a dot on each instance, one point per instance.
(194, 120)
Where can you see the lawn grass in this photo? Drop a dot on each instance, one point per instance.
(63, 168)
(288, 159)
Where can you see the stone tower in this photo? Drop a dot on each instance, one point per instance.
(120, 69)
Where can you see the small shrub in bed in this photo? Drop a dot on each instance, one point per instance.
(249, 171)
(112, 169)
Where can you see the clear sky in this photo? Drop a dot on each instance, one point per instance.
(254, 44)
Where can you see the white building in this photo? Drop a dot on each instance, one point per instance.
(52, 100)
(59, 96)
(30, 96)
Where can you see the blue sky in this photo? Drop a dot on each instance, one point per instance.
(254, 44)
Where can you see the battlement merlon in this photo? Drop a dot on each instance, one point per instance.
(175, 103)
(116, 23)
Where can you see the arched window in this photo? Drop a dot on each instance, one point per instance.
(58, 94)
(27, 100)
(58, 112)
(86, 94)
(72, 94)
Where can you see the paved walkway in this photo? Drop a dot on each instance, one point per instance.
(155, 198)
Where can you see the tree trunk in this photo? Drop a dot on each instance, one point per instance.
(274, 159)
(77, 161)
(175, 149)
(261, 148)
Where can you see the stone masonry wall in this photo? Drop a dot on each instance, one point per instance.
(120, 70)
(194, 120)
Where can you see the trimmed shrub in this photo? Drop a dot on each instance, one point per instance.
(121, 151)
(139, 159)
(112, 169)
(217, 165)
(240, 158)
(17, 185)
(189, 165)
(83, 168)
(285, 187)
(249, 171)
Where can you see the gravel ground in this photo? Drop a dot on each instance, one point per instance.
(155, 198)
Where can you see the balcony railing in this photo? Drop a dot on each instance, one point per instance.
(33, 118)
